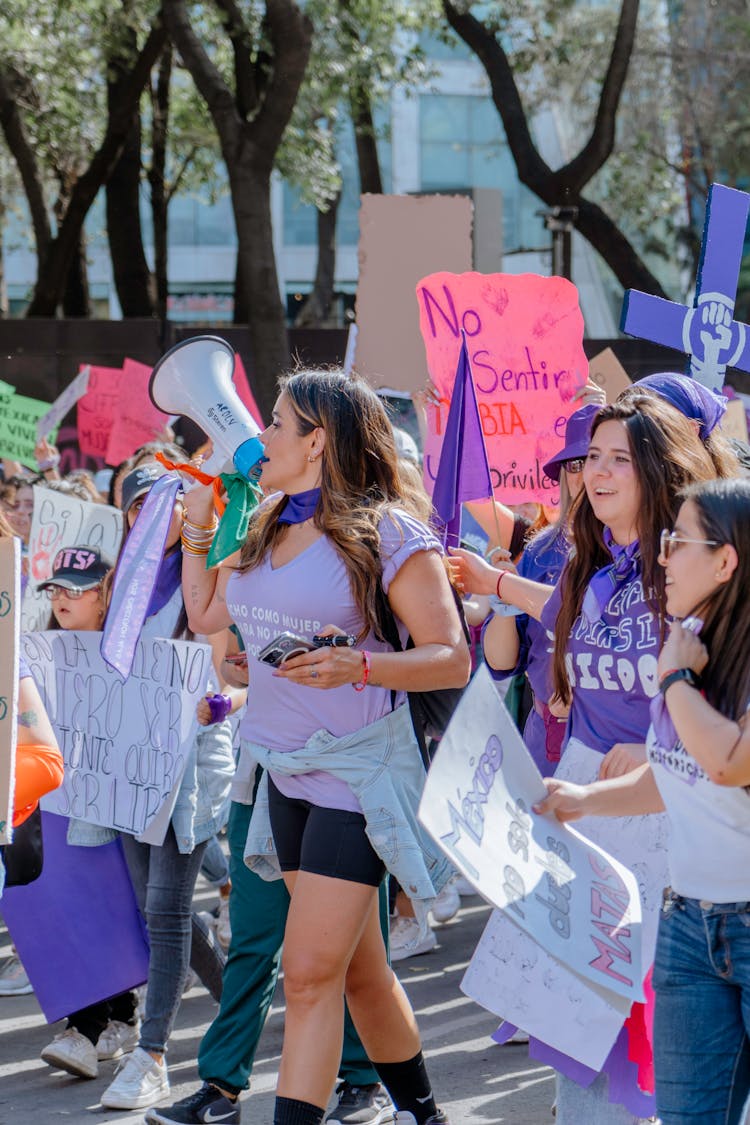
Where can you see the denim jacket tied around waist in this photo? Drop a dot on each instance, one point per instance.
(382, 766)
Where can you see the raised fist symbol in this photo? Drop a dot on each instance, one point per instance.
(716, 333)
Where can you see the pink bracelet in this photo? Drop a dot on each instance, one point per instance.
(366, 665)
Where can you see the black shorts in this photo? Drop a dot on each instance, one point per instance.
(322, 841)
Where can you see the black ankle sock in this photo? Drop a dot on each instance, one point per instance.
(288, 1111)
(409, 1087)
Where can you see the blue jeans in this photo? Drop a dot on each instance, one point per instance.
(214, 867)
(589, 1105)
(702, 985)
(163, 881)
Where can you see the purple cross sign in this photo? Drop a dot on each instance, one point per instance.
(708, 333)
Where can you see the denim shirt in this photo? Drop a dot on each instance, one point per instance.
(202, 804)
(382, 765)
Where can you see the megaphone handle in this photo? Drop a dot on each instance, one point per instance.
(198, 476)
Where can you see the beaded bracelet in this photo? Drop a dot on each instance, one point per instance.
(361, 684)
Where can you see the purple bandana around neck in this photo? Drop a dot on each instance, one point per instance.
(137, 575)
(167, 581)
(300, 507)
(625, 566)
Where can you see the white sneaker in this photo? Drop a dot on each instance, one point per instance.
(223, 929)
(464, 887)
(13, 979)
(140, 1082)
(408, 939)
(73, 1052)
(117, 1039)
(447, 904)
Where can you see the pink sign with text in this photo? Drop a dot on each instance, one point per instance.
(137, 419)
(96, 410)
(525, 338)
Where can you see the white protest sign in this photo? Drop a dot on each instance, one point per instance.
(576, 901)
(511, 975)
(10, 590)
(64, 402)
(60, 520)
(124, 742)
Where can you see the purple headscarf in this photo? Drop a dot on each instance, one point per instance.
(688, 396)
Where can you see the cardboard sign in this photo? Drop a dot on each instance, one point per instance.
(608, 373)
(137, 419)
(734, 422)
(10, 590)
(97, 410)
(63, 403)
(242, 386)
(60, 520)
(71, 962)
(525, 339)
(573, 899)
(18, 421)
(124, 742)
(402, 239)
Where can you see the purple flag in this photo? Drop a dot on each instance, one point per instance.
(136, 575)
(463, 472)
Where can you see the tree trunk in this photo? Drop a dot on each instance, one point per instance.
(55, 267)
(3, 287)
(157, 179)
(370, 179)
(25, 157)
(76, 300)
(262, 309)
(316, 310)
(562, 187)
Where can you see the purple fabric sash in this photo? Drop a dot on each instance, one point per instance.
(167, 581)
(137, 575)
(300, 507)
(625, 566)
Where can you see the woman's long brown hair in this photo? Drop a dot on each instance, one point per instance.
(360, 479)
(667, 456)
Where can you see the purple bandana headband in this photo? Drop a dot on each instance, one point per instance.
(688, 396)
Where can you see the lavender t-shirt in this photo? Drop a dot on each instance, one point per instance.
(303, 596)
(612, 668)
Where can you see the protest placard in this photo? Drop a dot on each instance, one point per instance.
(521, 982)
(568, 894)
(525, 341)
(242, 386)
(608, 373)
(137, 419)
(18, 420)
(97, 410)
(10, 589)
(60, 520)
(734, 422)
(92, 943)
(124, 742)
(421, 234)
(63, 403)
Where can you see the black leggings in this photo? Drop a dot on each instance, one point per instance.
(322, 841)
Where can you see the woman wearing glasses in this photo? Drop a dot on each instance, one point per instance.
(699, 770)
(607, 614)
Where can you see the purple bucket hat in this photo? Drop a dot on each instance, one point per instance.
(577, 439)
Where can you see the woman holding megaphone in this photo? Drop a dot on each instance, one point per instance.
(340, 541)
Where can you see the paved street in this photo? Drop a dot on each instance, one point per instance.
(477, 1081)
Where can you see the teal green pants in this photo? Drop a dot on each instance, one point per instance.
(257, 912)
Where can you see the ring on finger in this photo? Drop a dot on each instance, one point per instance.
(313, 673)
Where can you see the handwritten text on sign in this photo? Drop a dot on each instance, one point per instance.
(60, 521)
(125, 742)
(577, 902)
(525, 339)
(10, 585)
(97, 410)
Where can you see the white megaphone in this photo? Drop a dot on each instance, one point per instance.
(194, 378)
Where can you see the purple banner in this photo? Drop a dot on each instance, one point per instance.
(136, 574)
(77, 929)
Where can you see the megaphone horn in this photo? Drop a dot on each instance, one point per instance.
(194, 378)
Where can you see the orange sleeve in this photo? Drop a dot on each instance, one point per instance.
(39, 769)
